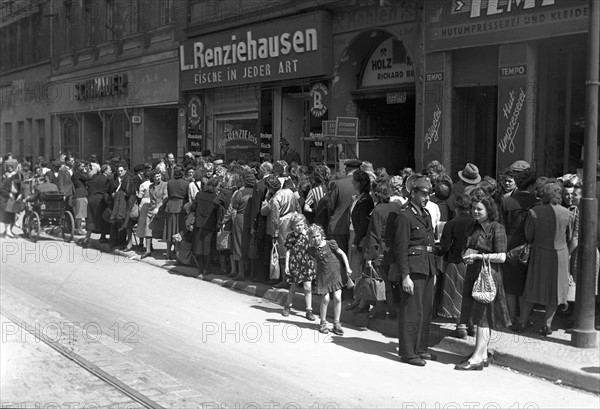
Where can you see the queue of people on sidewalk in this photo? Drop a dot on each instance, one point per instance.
(422, 236)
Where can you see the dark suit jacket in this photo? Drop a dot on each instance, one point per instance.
(258, 195)
(340, 199)
(414, 230)
(380, 236)
(80, 181)
(64, 183)
(361, 216)
(205, 211)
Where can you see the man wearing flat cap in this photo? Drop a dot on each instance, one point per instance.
(340, 199)
(416, 263)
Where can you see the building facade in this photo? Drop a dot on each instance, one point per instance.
(505, 80)
(256, 74)
(107, 79)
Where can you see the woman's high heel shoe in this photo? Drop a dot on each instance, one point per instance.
(468, 366)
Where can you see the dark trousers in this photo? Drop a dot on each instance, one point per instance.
(414, 317)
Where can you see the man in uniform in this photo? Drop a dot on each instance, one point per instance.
(415, 259)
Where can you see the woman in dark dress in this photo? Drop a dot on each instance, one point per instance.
(223, 199)
(360, 216)
(452, 245)
(177, 194)
(488, 240)
(100, 188)
(205, 211)
(515, 207)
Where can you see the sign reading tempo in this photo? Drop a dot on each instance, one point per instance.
(282, 49)
(513, 71)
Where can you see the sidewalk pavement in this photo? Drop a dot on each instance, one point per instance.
(550, 357)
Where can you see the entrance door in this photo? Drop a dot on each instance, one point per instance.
(474, 129)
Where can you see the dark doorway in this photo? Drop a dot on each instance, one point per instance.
(390, 132)
(474, 129)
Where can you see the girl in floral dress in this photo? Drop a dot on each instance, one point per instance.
(299, 265)
(329, 275)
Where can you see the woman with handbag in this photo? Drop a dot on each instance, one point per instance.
(515, 208)
(486, 251)
(223, 199)
(549, 227)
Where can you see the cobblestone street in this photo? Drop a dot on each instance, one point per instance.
(35, 375)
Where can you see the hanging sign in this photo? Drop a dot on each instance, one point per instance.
(389, 64)
(195, 115)
(317, 98)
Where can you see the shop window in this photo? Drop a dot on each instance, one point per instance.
(238, 137)
(70, 136)
(118, 136)
(561, 111)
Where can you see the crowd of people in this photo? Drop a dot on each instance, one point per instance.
(424, 235)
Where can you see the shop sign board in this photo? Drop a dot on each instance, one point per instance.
(395, 97)
(194, 144)
(512, 98)
(346, 126)
(389, 64)
(286, 48)
(466, 23)
(329, 128)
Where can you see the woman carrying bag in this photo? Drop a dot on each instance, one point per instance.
(486, 245)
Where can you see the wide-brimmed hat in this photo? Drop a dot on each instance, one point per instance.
(470, 174)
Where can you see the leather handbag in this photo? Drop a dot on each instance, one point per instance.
(223, 240)
(519, 254)
(484, 289)
(370, 287)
